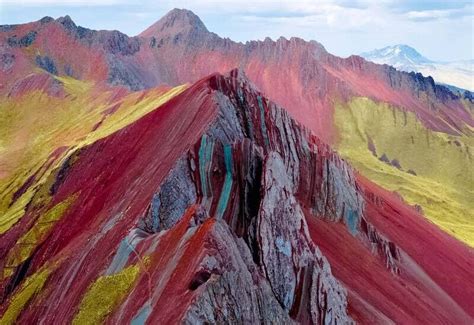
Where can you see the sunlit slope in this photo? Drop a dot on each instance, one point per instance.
(430, 169)
(38, 131)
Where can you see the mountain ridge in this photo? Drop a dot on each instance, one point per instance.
(188, 21)
(125, 67)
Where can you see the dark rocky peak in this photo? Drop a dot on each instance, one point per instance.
(177, 21)
(46, 19)
(115, 42)
(67, 22)
(468, 95)
(76, 30)
(238, 77)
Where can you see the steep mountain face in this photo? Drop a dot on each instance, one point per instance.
(406, 58)
(220, 202)
(334, 97)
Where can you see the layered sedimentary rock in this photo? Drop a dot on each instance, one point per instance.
(219, 207)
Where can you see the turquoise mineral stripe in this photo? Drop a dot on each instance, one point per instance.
(202, 167)
(352, 219)
(241, 95)
(121, 257)
(226, 188)
(262, 121)
(205, 158)
(142, 315)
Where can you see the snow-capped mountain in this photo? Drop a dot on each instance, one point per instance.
(406, 58)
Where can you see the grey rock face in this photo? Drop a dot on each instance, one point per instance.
(46, 63)
(170, 202)
(122, 74)
(235, 292)
(68, 23)
(288, 253)
(7, 60)
(24, 41)
(386, 249)
(116, 42)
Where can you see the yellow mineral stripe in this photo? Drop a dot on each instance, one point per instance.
(104, 295)
(24, 295)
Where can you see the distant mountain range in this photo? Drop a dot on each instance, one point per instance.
(403, 57)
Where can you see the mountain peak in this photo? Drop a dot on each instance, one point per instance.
(399, 55)
(174, 22)
(403, 49)
(67, 22)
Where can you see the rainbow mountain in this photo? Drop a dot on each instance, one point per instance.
(177, 176)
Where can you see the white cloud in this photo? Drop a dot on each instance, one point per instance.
(329, 14)
(423, 15)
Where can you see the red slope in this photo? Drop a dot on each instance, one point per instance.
(436, 271)
(453, 270)
(178, 251)
(118, 173)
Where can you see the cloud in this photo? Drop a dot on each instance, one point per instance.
(427, 15)
(336, 18)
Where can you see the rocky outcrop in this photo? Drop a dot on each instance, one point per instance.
(46, 63)
(386, 249)
(172, 199)
(298, 273)
(240, 179)
(246, 171)
(24, 41)
(240, 294)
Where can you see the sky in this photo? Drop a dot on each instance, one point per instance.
(439, 30)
